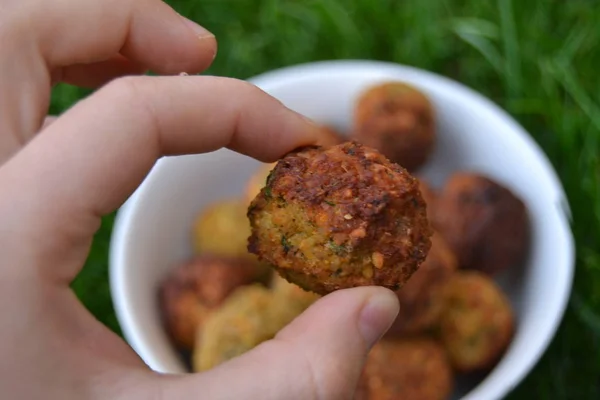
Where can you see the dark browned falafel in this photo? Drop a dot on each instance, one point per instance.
(339, 217)
(484, 223)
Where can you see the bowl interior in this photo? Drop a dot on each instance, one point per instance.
(152, 232)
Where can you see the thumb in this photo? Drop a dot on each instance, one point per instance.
(320, 355)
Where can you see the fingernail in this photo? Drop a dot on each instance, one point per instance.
(378, 315)
(200, 31)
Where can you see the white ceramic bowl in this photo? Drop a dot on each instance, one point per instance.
(152, 231)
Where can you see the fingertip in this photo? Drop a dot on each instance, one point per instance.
(168, 43)
(194, 58)
(206, 50)
(378, 314)
(297, 131)
(197, 29)
(318, 355)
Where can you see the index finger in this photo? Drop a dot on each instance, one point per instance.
(92, 158)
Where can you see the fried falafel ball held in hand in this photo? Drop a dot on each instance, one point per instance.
(484, 223)
(398, 120)
(340, 217)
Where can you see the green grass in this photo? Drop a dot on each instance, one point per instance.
(539, 59)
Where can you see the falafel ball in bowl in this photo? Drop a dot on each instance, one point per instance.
(477, 323)
(340, 217)
(397, 119)
(409, 368)
(485, 224)
(196, 287)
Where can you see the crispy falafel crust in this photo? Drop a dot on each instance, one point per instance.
(339, 217)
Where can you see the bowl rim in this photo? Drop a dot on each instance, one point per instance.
(123, 220)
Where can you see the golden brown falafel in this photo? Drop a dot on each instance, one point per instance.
(195, 288)
(222, 228)
(239, 325)
(421, 298)
(339, 217)
(250, 316)
(477, 322)
(483, 222)
(398, 120)
(415, 369)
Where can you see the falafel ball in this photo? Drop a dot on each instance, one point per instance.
(411, 368)
(195, 288)
(477, 322)
(398, 120)
(340, 217)
(239, 325)
(421, 298)
(222, 228)
(484, 223)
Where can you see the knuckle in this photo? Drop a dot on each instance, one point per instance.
(136, 94)
(243, 87)
(129, 88)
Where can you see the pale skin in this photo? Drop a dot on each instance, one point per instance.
(59, 176)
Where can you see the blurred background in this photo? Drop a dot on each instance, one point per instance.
(538, 59)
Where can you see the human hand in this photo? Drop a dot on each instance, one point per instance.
(55, 186)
